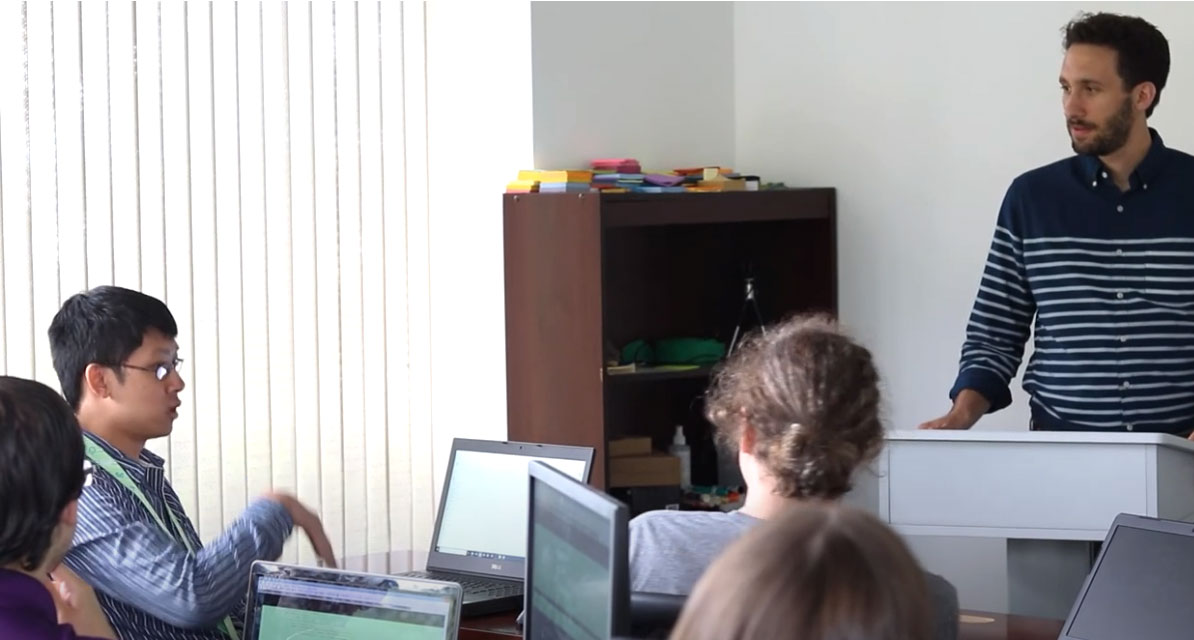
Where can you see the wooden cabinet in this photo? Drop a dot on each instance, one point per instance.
(587, 273)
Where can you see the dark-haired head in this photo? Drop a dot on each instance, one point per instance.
(1114, 71)
(41, 474)
(116, 359)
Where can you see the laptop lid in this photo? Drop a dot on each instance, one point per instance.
(481, 525)
(288, 601)
(1141, 585)
(578, 577)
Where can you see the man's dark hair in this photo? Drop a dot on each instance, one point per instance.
(41, 468)
(102, 326)
(1142, 50)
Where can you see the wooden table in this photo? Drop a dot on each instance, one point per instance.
(981, 625)
(974, 625)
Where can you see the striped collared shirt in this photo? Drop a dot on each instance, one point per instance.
(149, 586)
(1104, 280)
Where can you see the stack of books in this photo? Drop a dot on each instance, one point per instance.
(616, 182)
(527, 182)
(622, 175)
(616, 165)
(567, 181)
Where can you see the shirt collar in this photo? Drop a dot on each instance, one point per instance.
(1146, 172)
(19, 591)
(148, 458)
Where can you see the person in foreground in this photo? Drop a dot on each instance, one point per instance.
(116, 357)
(41, 476)
(800, 404)
(814, 572)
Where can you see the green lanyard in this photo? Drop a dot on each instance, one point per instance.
(105, 461)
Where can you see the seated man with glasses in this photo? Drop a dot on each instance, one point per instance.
(117, 360)
(42, 473)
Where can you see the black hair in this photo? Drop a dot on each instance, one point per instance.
(102, 326)
(1143, 51)
(41, 468)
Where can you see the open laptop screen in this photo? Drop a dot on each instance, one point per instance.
(485, 509)
(577, 578)
(1141, 586)
(296, 602)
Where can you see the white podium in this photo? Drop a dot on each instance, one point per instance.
(1052, 494)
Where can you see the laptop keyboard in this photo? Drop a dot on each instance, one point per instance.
(473, 586)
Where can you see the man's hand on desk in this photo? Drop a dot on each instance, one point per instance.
(309, 523)
(969, 406)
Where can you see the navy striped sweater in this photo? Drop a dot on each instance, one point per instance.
(1105, 281)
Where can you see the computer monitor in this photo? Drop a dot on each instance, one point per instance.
(577, 580)
(481, 524)
(1141, 586)
(289, 602)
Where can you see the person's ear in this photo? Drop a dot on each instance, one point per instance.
(96, 380)
(1144, 95)
(747, 438)
(70, 515)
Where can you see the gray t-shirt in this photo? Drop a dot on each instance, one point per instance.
(669, 550)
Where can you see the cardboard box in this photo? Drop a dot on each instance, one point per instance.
(656, 470)
(628, 447)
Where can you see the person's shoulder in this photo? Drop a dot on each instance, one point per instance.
(660, 518)
(670, 519)
(1179, 158)
(104, 490)
(1047, 174)
(941, 591)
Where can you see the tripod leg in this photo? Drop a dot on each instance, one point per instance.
(754, 302)
(738, 327)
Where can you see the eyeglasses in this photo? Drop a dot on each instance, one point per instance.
(159, 371)
(88, 476)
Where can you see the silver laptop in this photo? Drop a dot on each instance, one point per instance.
(288, 602)
(480, 538)
(1141, 586)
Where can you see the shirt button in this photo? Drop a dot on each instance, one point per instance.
(1145, 186)
(1128, 427)
(1120, 295)
(1119, 252)
(1104, 174)
(1095, 183)
(1123, 338)
(1126, 384)
(1120, 208)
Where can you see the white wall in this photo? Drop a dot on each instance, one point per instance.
(478, 119)
(648, 80)
(920, 114)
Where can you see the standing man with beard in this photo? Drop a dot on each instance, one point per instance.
(1095, 253)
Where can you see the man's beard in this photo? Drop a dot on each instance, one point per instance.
(1109, 138)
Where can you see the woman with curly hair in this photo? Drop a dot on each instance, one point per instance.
(801, 406)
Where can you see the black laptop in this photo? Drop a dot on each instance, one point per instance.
(480, 538)
(1141, 586)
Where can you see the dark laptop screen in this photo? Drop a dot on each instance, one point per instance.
(577, 579)
(1143, 587)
